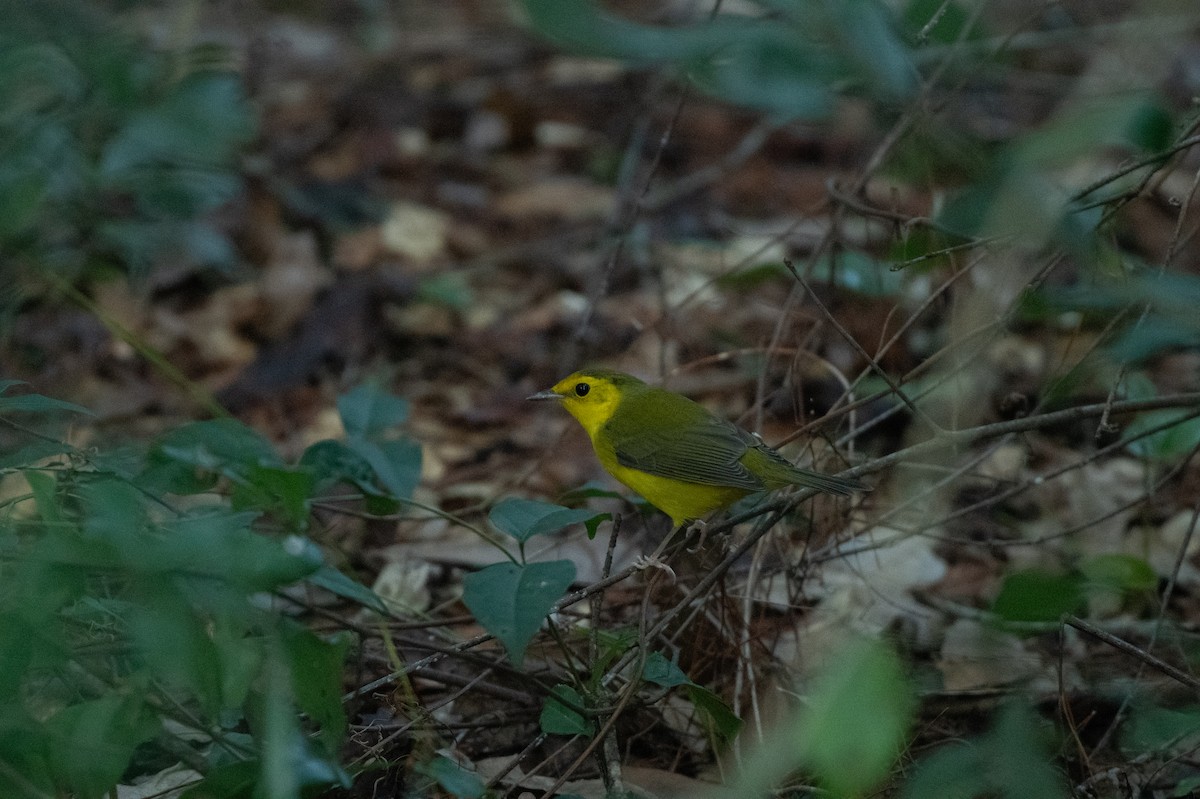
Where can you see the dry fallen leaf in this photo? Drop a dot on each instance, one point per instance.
(566, 198)
(416, 232)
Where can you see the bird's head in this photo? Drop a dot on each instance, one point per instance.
(591, 395)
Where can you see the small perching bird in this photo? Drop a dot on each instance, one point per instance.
(672, 451)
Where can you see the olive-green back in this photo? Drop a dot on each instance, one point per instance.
(657, 431)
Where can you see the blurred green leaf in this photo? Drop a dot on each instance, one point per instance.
(111, 150)
(661, 671)
(1077, 130)
(16, 652)
(25, 748)
(175, 643)
(34, 403)
(558, 718)
(367, 410)
(217, 447)
(1155, 334)
(331, 579)
(1154, 728)
(283, 749)
(1038, 596)
(234, 780)
(725, 723)
(524, 518)
(276, 489)
(782, 65)
(869, 37)
(202, 120)
(36, 451)
(1170, 444)
(92, 742)
(950, 26)
(453, 778)
(1124, 573)
(860, 273)
(316, 672)
(589, 490)
(1009, 762)
(332, 462)
(397, 463)
(214, 545)
(511, 601)
(1180, 431)
(45, 489)
(240, 655)
(448, 289)
(857, 714)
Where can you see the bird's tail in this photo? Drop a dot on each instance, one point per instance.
(842, 486)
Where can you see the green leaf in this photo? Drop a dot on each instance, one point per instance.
(856, 718)
(448, 289)
(1009, 762)
(26, 749)
(215, 545)
(333, 462)
(282, 742)
(1186, 788)
(175, 643)
(234, 780)
(661, 671)
(331, 579)
(93, 741)
(367, 410)
(524, 518)
(45, 494)
(951, 24)
(724, 721)
(396, 463)
(114, 511)
(559, 716)
(510, 600)
(239, 656)
(16, 652)
(1037, 596)
(589, 490)
(872, 43)
(1155, 333)
(290, 762)
(1156, 729)
(280, 490)
(767, 70)
(1124, 573)
(454, 779)
(34, 452)
(201, 120)
(1169, 444)
(215, 447)
(859, 273)
(593, 524)
(316, 671)
(35, 403)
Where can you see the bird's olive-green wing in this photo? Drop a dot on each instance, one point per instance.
(671, 436)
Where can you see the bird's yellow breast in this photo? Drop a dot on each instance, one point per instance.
(680, 500)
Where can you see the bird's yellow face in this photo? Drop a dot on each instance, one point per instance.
(591, 399)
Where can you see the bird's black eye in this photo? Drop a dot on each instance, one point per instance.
(581, 389)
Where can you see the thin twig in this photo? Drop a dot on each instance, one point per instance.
(1124, 646)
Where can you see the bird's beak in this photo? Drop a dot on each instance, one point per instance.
(545, 395)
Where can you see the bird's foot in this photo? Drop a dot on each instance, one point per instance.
(701, 527)
(644, 562)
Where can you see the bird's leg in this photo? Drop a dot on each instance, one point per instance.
(702, 527)
(654, 560)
